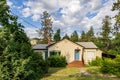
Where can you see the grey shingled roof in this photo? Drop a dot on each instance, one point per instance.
(40, 46)
(84, 44)
(87, 44)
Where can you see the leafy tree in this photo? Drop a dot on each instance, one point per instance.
(83, 37)
(90, 34)
(46, 31)
(105, 34)
(57, 36)
(66, 37)
(17, 59)
(74, 36)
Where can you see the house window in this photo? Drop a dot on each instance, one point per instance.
(55, 53)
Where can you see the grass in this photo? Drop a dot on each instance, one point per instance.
(76, 78)
(60, 74)
(63, 71)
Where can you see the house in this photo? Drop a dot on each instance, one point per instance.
(73, 51)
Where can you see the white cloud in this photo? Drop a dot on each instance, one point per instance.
(26, 12)
(9, 3)
(31, 32)
(96, 22)
(73, 13)
(35, 17)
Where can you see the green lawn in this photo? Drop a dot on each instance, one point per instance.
(70, 74)
(76, 78)
(64, 71)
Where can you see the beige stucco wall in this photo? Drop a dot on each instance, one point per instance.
(96, 52)
(67, 49)
(99, 53)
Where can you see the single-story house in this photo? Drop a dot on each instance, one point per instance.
(73, 51)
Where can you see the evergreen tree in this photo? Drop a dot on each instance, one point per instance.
(66, 37)
(74, 37)
(90, 34)
(57, 36)
(83, 37)
(116, 7)
(115, 46)
(17, 59)
(106, 30)
(46, 31)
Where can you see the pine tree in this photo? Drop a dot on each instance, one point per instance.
(74, 36)
(106, 30)
(116, 7)
(66, 37)
(46, 31)
(57, 36)
(17, 59)
(90, 34)
(115, 46)
(83, 36)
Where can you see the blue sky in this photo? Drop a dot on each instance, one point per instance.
(68, 15)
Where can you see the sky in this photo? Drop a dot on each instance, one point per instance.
(68, 15)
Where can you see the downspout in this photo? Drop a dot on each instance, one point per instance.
(83, 55)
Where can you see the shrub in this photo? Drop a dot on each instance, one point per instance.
(108, 66)
(97, 62)
(57, 61)
(111, 66)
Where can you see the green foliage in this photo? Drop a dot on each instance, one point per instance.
(90, 34)
(116, 7)
(57, 61)
(57, 36)
(74, 37)
(105, 33)
(111, 66)
(17, 59)
(66, 37)
(83, 36)
(108, 66)
(97, 62)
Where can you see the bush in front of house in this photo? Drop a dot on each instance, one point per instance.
(97, 62)
(111, 66)
(57, 61)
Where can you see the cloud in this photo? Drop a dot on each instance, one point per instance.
(35, 17)
(26, 12)
(9, 3)
(31, 32)
(70, 15)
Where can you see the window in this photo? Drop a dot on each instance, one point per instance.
(55, 53)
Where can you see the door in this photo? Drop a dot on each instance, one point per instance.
(77, 55)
